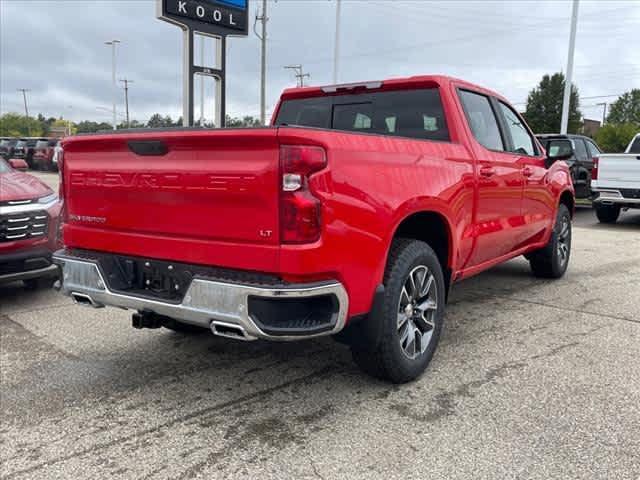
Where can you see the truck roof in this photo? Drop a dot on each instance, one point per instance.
(417, 81)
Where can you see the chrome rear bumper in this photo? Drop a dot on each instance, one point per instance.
(221, 306)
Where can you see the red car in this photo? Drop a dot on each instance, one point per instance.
(29, 215)
(352, 215)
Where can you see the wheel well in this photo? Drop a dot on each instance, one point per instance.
(567, 199)
(431, 228)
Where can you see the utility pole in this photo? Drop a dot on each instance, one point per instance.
(263, 66)
(113, 44)
(24, 97)
(126, 82)
(568, 77)
(604, 111)
(336, 51)
(300, 76)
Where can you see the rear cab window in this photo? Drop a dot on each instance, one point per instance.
(403, 113)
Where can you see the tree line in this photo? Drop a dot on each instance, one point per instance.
(16, 125)
(544, 111)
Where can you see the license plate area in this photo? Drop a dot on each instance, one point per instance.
(157, 279)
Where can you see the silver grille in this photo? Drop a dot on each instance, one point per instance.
(22, 226)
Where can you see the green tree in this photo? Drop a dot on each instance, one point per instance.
(544, 106)
(87, 126)
(16, 125)
(158, 121)
(614, 137)
(246, 121)
(626, 109)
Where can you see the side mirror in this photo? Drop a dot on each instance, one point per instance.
(18, 164)
(561, 149)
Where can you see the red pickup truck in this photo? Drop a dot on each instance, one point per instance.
(351, 215)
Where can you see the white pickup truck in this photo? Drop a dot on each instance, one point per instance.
(615, 182)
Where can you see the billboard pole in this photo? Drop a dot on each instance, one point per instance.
(211, 18)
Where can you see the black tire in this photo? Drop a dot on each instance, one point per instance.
(607, 213)
(552, 260)
(389, 361)
(39, 283)
(185, 328)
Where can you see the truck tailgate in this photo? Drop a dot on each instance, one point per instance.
(192, 196)
(619, 171)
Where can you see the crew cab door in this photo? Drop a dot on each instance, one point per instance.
(538, 205)
(498, 221)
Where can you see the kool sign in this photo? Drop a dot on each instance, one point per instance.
(218, 17)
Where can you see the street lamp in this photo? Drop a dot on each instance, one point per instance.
(113, 44)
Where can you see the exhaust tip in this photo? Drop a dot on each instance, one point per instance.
(85, 300)
(230, 330)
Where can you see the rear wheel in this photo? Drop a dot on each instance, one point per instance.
(412, 314)
(552, 260)
(607, 213)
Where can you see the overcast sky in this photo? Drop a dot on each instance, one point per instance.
(56, 49)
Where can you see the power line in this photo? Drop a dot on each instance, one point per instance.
(300, 75)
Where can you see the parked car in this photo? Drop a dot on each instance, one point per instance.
(20, 149)
(352, 215)
(6, 147)
(616, 182)
(581, 161)
(29, 149)
(29, 218)
(44, 154)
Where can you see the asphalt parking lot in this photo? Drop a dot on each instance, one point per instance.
(533, 379)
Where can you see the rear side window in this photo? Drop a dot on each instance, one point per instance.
(581, 150)
(403, 113)
(482, 119)
(593, 150)
(635, 146)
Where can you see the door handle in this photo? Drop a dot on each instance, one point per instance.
(487, 171)
(527, 171)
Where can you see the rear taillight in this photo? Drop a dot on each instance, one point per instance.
(594, 171)
(299, 208)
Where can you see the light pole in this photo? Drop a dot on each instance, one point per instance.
(336, 51)
(113, 44)
(263, 61)
(564, 123)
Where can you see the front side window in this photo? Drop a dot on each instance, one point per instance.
(635, 146)
(403, 113)
(482, 120)
(522, 142)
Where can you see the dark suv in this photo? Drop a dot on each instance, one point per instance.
(580, 163)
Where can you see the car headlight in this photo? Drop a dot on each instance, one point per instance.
(48, 199)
